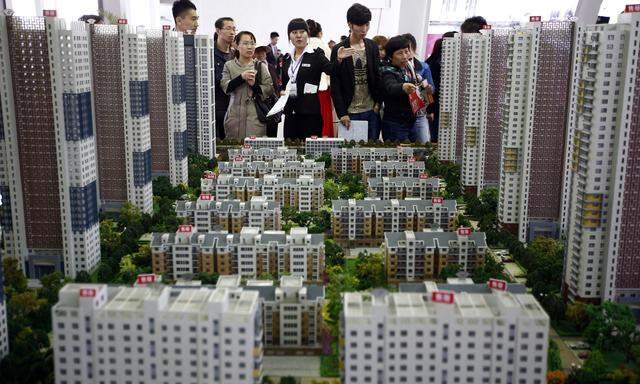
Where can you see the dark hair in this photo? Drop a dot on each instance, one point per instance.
(220, 22)
(261, 49)
(343, 38)
(358, 14)
(97, 19)
(314, 28)
(396, 43)
(239, 36)
(273, 34)
(412, 41)
(179, 6)
(449, 34)
(473, 24)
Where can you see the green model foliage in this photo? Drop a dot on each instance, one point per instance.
(612, 327)
(369, 271)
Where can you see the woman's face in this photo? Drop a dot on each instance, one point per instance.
(382, 53)
(401, 57)
(246, 46)
(299, 38)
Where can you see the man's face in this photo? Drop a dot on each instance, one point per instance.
(261, 56)
(274, 40)
(187, 21)
(360, 31)
(228, 31)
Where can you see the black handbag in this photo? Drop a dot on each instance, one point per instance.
(263, 106)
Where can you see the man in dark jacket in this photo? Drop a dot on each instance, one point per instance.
(354, 86)
(225, 33)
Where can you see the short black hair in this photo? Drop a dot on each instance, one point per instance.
(314, 28)
(473, 24)
(274, 34)
(396, 43)
(179, 6)
(220, 22)
(358, 14)
(412, 41)
(95, 19)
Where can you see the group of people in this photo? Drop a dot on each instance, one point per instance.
(379, 81)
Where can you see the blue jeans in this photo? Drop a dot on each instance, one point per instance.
(422, 129)
(395, 131)
(373, 120)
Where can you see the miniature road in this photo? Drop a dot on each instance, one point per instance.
(567, 356)
(297, 366)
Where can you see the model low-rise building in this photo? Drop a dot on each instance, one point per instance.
(279, 167)
(410, 168)
(249, 254)
(437, 336)
(315, 146)
(207, 214)
(156, 334)
(413, 255)
(364, 222)
(262, 154)
(264, 142)
(400, 188)
(351, 159)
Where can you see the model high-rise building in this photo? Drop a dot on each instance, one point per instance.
(437, 336)
(278, 167)
(419, 256)
(156, 334)
(315, 146)
(534, 121)
(602, 185)
(121, 98)
(207, 214)
(167, 105)
(249, 254)
(48, 171)
(449, 135)
(264, 142)
(198, 56)
(4, 330)
(365, 222)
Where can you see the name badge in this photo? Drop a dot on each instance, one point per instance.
(306, 65)
(293, 90)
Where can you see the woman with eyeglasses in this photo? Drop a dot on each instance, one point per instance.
(244, 79)
(301, 72)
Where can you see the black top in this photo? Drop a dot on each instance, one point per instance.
(343, 81)
(312, 66)
(219, 58)
(396, 102)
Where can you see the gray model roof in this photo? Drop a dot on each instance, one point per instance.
(315, 291)
(429, 238)
(419, 287)
(267, 293)
(381, 205)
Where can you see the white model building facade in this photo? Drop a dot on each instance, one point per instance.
(204, 76)
(600, 207)
(391, 168)
(247, 153)
(448, 150)
(444, 337)
(315, 146)
(278, 167)
(48, 145)
(156, 334)
(264, 142)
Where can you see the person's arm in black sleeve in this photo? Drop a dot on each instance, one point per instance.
(227, 83)
(336, 89)
(391, 86)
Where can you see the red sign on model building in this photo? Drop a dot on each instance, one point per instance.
(87, 292)
(443, 297)
(146, 278)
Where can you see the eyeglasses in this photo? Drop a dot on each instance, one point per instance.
(248, 44)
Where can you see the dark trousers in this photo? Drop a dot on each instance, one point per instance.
(220, 124)
(373, 120)
(396, 131)
(301, 126)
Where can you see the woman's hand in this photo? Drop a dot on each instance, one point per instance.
(408, 88)
(249, 76)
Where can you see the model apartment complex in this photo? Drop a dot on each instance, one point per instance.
(251, 253)
(4, 330)
(291, 311)
(602, 186)
(247, 153)
(534, 120)
(264, 142)
(392, 168)
(315, 146)
(156, 334)
(351, 159)
(167, 107)
(207, 214)
(48, 174)
(304, 193)
(411, 255)
(278, 167)
(400, 188)
(365, 222)
(439, 336)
